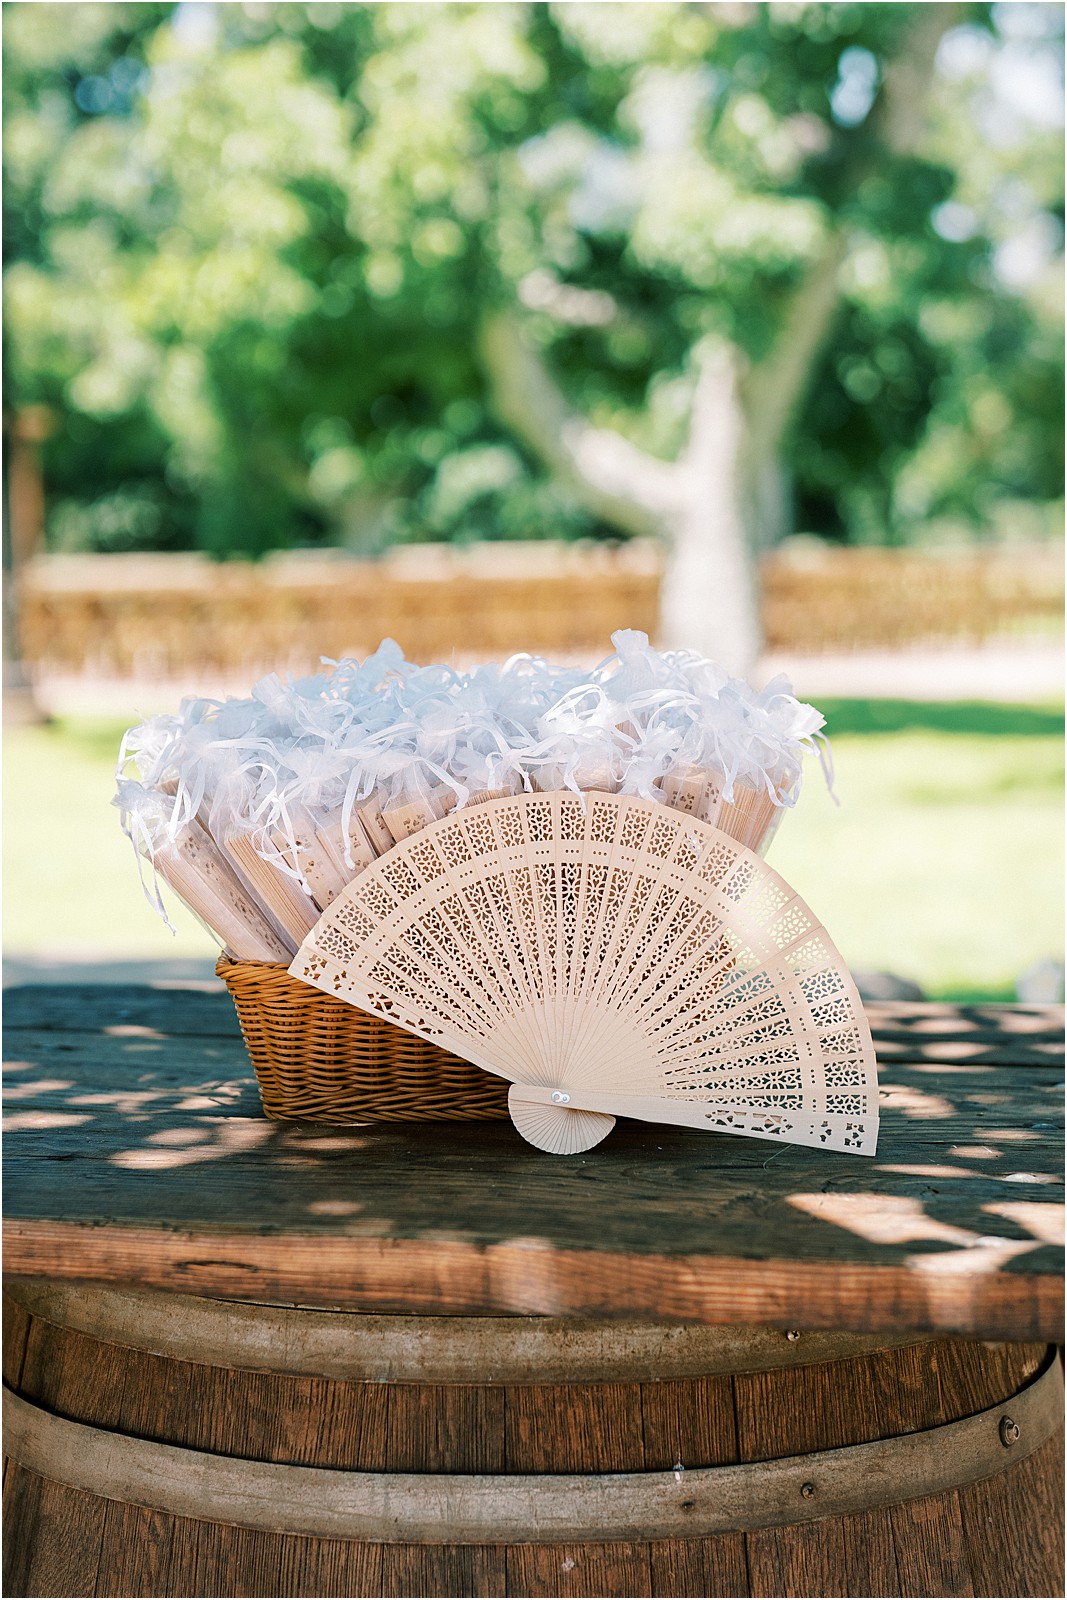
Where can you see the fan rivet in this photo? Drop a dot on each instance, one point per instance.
(1009, 1432)
(808, 1491)
(559, 1098)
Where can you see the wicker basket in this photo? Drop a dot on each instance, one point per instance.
(324, 1061)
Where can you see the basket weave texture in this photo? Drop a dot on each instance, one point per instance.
(322, 1060)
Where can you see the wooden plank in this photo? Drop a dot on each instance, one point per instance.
(870, 1554)
(688, 1424)
(158, 1134)
(463, 1570)
(91, 1072)
(713, 1567)
(986, 1035)
(990, 1372)
(207, 1558)
(600, 1570)
(296, 1421)
(843, 1556)
(445, 1428)
(135, 1551)
(932, 1558)
(903, 1030)
(951, 1150)
(74, 1375)
(22, 1501)
(1013, 1527)
(876, 1396)
(84, 1007)
(287, 1564)
(964, 1201)
(412, 1276)
(582, 1427)
(203, 1559)
(60, 1556)
(16, 1330)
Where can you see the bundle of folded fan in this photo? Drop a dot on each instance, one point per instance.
(258, 812)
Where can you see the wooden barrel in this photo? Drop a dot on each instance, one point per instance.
(166, 1445)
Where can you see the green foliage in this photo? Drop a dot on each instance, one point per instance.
(989, 719)
(249, 249)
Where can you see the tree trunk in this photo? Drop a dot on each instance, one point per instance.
(698, 505)
(709, 600)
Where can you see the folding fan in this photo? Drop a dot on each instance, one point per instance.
(611, 957)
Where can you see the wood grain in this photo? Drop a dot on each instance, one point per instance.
(932, 1556)
(903, 1030)
(135, 1153)
(465, 1570)
(700, 1566)
(64, 1542)
(599, 1570)
(135, 1550)
(689, 1423)
(445, 1428)
(53, 1537)
(1012, 1545)
(920, 1548)
(843, 1556)
(22, 1498)
(88, 1007)
(445, 1278)
(288, 1565)
(150, 1553)
(585, 1427)
(16, 1330)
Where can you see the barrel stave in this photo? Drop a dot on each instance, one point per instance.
(1000, 1536)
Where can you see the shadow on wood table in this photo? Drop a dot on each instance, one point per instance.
(136, 1146)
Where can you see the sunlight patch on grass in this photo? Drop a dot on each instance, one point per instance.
(944, 862)
(70, 877)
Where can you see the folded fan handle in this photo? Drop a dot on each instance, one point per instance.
(823, 1131)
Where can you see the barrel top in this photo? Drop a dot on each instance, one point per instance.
(136, 1153)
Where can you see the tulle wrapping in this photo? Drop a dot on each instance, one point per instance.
(256, 812)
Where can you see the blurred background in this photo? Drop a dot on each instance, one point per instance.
(498, 327)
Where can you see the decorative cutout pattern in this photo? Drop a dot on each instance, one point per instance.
(635, 959)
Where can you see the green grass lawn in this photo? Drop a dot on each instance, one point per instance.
(70, 877)
(944, 861)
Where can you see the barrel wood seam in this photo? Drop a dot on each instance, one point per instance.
(553, 1508)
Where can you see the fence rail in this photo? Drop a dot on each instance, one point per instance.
(152, 615)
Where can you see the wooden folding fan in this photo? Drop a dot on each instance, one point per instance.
(611, 957)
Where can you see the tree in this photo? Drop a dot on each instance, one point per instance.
(300, 274)
(722, 500)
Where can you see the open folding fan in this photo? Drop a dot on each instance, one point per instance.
(611, 957)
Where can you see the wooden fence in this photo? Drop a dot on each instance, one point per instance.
(154, 615)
